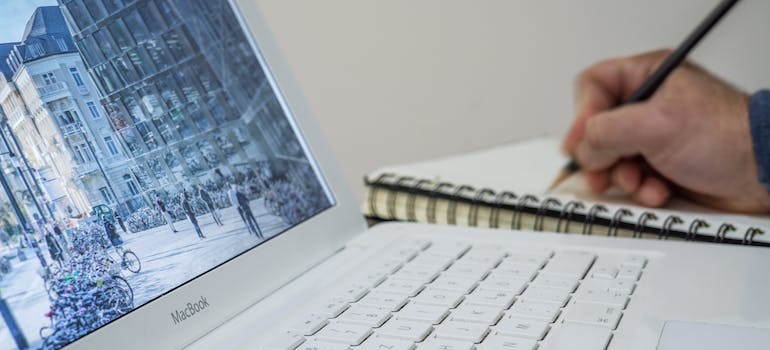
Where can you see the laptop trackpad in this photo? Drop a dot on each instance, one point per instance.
(689, 335)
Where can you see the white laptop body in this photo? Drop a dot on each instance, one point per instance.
(255, 299)
(716, 290)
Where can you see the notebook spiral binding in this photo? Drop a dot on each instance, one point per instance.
(548, 207)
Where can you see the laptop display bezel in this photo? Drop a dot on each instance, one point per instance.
(243, 281)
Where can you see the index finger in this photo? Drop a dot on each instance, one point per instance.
(605, 85)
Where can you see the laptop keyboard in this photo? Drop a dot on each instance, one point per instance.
(455, 296)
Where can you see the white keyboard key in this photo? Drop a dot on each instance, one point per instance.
(522, 327)
(454, 282)
(519, 270)
(490, 297)
(410, 244)
(387, 301)
(476, 313)
(423, 312)
(536, 310)
(486, 258)
(630, 272)
(445, 344)
(570, 263)
(540, 251)
(310, 324)
(576, 337)
(545, 294)
(413, 331)
(604, 272)
(483, 248)
(365, 315)
(608, 297)
(504, 342)
(556, 281)
(634, 260)
(624, 285)
(442, 297)
(322, 345)
(379, 343)
(370, 279)
(285, 341)
(400, 286)
(472, 332)
(421, 244)
(439, 261)
(455, 249)
(403, 252)
(346, 333)
(424, 274)
(472, 271)
(525, 258)
(332, 308)
(511, 283)
(387, 265)
(593, 314)
(351, 293)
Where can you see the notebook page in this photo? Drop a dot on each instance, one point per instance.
(522, 167)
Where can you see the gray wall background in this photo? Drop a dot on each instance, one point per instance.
(401, 80)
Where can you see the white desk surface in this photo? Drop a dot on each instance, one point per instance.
(400, 80)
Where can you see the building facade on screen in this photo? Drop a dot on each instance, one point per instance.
(184, 91)
(52, 111)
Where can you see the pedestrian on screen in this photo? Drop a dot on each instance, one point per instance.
(112, 234)
(239, 200)
(60, 235)
(54, 249)
(206, 198)
(184, 198)
(164, 212)
(119, 220)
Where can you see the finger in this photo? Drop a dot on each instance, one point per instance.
(653, 191)
(605, 85)
(627, 176)
(592, 95)
(598, 181)
(623, 132)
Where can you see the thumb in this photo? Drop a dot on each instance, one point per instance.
(622, 132)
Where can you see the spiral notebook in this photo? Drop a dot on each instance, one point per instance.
(506, 187)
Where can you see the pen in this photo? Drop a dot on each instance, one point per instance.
(659, 76)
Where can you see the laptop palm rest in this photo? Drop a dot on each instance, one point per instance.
(702, 336)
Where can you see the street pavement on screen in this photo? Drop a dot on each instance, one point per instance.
(168, 260)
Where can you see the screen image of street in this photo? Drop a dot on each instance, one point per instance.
(141, 145)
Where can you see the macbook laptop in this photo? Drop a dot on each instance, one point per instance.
(169, 188)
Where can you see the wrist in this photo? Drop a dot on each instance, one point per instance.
(759, 119)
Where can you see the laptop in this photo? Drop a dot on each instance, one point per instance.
(192, 203)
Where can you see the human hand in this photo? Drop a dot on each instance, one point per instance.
(691, 137)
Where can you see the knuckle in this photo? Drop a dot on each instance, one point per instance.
(588, 74)
(583, 78)
(594, 133)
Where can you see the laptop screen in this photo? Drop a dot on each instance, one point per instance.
(143, 143)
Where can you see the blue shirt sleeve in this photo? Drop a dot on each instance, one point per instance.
(759, 117)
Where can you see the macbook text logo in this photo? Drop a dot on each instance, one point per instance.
(190, 310)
